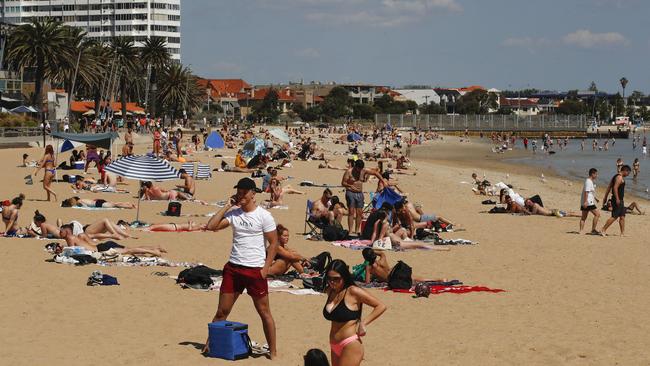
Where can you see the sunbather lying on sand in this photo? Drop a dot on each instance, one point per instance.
(99, 230)
(423, 220)
(536, 209)
(154, 193)
(629, 209)
(109, 247)
(98, 203)
(377, 267)
(172, 227)
(399, 240)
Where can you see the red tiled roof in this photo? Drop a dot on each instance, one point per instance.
(85, 106)
(514, 102)
(283, 95)
(224, 87)
(471, 88)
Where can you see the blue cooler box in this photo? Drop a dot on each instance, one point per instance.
(228, 340)
(79, 165)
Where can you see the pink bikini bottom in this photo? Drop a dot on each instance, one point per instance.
(337, 348)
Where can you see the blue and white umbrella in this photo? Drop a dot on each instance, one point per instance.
(143, 168)
(253, 147)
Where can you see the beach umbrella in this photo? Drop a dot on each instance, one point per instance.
(67, 145)
(254, 147)
(143, 168)
(89, 113)
(280, 135)
(23, 109)
(354, 137)
(215, 141)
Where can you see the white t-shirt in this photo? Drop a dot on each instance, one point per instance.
(590, 188)
(248, 228)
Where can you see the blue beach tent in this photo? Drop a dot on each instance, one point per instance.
(215, 141)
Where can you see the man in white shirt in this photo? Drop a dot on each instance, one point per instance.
(588, 201)
(249, 260)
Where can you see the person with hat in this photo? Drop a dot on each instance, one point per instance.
(250, 259)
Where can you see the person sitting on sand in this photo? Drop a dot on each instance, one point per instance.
(155, 193)
(189, 186)
(392, 183)
(338, 209)
(481, 185)
(173, 227)
(100, 230)
(536, 209)
(10, 217)
(399, 240)
(320, 209)
(277, 192)
(513, 207)
(109, 248)
(378, 269)
(285, 257)
(629, 209)
(94, 203)
(326, 165)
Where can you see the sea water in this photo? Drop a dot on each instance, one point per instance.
(574, 162)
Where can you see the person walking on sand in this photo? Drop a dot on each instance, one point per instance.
(617, 188)
(250, 259)
(47, 163)
(588, 201)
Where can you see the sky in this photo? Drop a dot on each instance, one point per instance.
(504, 44)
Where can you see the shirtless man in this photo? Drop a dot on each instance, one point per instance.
(377, 267)
(514, 207)
(421, 219)
(154, 193)
(189, 186)
(320, 211)
(83, 240)
(128, 142)
(536, 209)
(353, 180)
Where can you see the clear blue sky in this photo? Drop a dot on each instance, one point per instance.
(547, 44)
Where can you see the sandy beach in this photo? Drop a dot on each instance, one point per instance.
(570, 299)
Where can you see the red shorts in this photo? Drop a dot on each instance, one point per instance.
(236, 278)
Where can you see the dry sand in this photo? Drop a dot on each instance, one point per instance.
(571, 299)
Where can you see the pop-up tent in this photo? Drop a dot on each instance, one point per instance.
(103, 140)
(253, 147)
(214, 141)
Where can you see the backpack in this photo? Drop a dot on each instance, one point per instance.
(334, 233)
(400, 276)
(359, 272)
(173, 209)
(498, 209)
(320, 262)
(315, 283)
(198, 277)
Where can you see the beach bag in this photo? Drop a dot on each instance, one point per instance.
(537, 199)
(315, 283)
(422, 234)
(83, 259)
(199, 277)
(174, 209)
(320, 262)
(359, 272)
(334, 233)
(383, 244)
(229, 340)
(400, 276)
(498, 209)
(422, 290)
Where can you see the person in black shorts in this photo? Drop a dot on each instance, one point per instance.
(617, 188)
(588, 202)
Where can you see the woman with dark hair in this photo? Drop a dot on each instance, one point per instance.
(96, 203)
(316, 357)
(339, 209)
(285, 257)
(102, 229)
(343, 309)
(48, 164)
(10, 217)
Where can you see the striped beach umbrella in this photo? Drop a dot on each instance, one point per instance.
(143, 168)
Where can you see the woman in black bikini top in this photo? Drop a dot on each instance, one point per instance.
(347, 325)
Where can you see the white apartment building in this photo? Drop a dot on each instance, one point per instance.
(104, 19)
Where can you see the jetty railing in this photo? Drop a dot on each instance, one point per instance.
(489, 122)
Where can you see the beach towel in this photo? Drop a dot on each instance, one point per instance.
(435, 290)
(95, 208)
(274, 286)
(209, 214)
(355, 244)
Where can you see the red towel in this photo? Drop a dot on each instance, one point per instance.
(453, 289)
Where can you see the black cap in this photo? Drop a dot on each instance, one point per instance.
(247, 183)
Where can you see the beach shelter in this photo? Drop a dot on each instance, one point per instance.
(215, 141)
(354, 137)
(143, 168)
(103, 140)
(24, 109)
(280, 135)
(254, 147)
(67, 145)
(386, 195)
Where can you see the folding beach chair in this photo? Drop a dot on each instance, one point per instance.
(203, 171)
(369, 207)
(315, 226)
(189, 168)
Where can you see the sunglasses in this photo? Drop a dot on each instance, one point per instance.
(334, 279)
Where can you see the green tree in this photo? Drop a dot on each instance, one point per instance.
(125, 54)
(618, 105)
(179, 89)
(476, 102)
(43, 45)
(624, 82)
(364, 111)
(267, 109)
(154, 55)
(603, 109)
(433, 108)
(337, 103)
(593, 87)
(571, 107)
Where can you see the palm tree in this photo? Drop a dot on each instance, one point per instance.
(624, 82)
(154, 54)
(43, 45)
(179, 89)
(125, 55)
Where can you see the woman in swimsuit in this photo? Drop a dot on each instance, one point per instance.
(636, 168)
(285, 257)
(343, 309)
(277, 192)
(399, 239)
(48, 164)
(100, 230)
(172, 227)
(156, 142)
(10, 217)
(91, 155)
(98, 203)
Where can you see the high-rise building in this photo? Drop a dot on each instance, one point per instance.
(104, 19)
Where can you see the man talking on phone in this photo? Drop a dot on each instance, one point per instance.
(249, 260)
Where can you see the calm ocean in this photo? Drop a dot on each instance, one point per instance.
(574, 163)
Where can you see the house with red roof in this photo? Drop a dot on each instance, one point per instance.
(227, 93)
(520, 106)
(286, 97)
